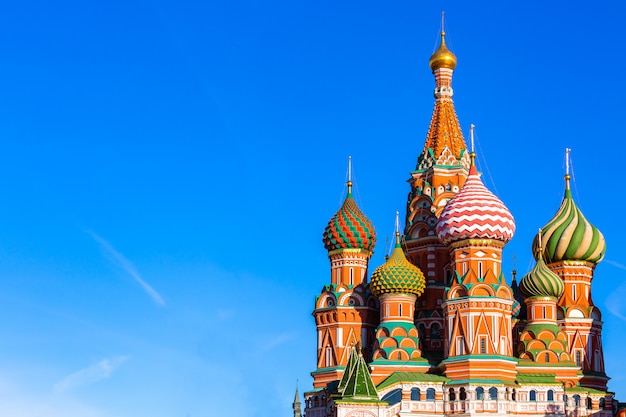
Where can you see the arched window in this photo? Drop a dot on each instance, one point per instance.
(434, 331)
(578, 355)
(480, 393)
(514, 395)
(462, 394)
(547, 357)
(532, 396)
(430, 394)
(451, 395)
(415, 394)
(577, 400)
(602, 403)
(393, 397)
(550, 395)
(588, 403)
(493, 393)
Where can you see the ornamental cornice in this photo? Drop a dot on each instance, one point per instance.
(349, 251)
(466, 243)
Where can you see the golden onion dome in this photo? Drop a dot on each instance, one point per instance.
(443, 57)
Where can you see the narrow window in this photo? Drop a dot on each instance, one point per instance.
(578, 356)
(451, 395)
(351, 276)
(480, 269)
(589, 403)
(386, 310)
(329, 356)
(533, 395)
(462, 394)
(495, 268)
(483, 345)
(493, 393)
(459, 346)
(464, 268)
(547, 357)
(543, 312)
(574, 292)
(577, 400)
(550, 395)
(400, 310)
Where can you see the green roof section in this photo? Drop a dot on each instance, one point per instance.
(409, 377)
(356, 383)
(537, 378)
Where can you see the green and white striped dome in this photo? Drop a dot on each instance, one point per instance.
(569, 236)
(541, 281)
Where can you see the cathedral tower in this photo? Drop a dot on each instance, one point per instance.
(475, 225)
(573, 247)
(345, 311)
(440, 173)
(397, 284)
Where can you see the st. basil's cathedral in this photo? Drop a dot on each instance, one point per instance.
(437, 329)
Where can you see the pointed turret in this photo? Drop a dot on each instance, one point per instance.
(296, 405)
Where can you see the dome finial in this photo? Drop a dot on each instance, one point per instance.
(349, 182)
(397, 229)
(567, 176)
(472, 149)
(442, 58)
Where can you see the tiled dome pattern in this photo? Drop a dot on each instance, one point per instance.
(349, 228)
(475, 213)
(397, 275)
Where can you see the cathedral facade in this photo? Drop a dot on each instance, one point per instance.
(437, 329)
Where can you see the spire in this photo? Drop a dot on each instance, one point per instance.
(297, 409)
(444, 130)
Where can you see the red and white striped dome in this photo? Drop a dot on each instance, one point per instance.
(475, 213)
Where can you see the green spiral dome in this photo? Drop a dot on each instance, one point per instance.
(541, 281)
(570, 237)
(397, 275)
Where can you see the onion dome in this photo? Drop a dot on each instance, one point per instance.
(349, 228)
(569, 236)
(443, 57)
(541, 281)
(397, 275)
(475, 213)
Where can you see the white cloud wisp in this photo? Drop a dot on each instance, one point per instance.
(127, 266)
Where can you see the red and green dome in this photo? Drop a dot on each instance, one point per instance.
(349, 228)
(397, 275)
(569, 236)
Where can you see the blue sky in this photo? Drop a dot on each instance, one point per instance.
(168, 169)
